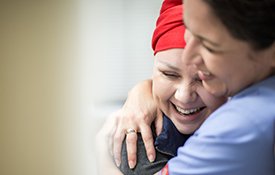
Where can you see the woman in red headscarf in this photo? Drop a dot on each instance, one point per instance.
(166, 37)
(174, 91)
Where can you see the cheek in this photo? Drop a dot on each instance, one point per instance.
(162, 88)
(217, 84)
(223, 66)
(217, 102)
(187, 35)
(210, 100)
(212, 63)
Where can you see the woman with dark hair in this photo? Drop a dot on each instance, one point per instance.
(230, 44)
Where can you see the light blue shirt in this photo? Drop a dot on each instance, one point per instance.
(237, 139)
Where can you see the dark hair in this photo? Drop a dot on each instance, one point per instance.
(248, 20)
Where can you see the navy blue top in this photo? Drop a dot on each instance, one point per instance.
(170, 138)
(166, 144)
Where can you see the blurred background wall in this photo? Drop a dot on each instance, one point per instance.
(64, 66)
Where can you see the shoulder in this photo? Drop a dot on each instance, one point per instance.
(244, 125)
(143, 166)
(251, 111)
(237, 121)
(238, 138)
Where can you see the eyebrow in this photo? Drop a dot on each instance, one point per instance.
(201, 38)
(207, 40)
(169, 65)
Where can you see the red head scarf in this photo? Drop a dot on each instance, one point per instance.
(169, 32)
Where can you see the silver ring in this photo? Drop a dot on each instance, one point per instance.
(130, 130)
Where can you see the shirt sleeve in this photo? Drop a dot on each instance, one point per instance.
(228, 143)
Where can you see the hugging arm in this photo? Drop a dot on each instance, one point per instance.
(138, 112)
(104, 160)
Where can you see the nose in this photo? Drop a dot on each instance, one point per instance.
(191, 54)
(185, 94)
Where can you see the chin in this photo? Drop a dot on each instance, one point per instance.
(186, 130)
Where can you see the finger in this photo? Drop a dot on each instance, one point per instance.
(112, 125)
(158, 122)
(148, 140)
(117, 144)
(131, 145)
(110, 140)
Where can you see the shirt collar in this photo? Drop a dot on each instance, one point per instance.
(170, 139)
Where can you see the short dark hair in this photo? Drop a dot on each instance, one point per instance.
(248, 20)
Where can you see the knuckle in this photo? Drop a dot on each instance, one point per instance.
(131, 152)
(142, 115)
(116, 155)
(131, 158)
(118, 138)
(130, 141)
(147, 138)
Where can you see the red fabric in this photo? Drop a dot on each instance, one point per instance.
(168, 4)
(169, 32)
(164, 170)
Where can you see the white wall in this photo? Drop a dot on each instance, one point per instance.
(117, 49)
(64, 65)
(121, 45)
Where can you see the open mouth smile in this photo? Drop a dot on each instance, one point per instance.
(191, 111)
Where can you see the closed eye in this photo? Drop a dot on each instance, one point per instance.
(170, 74)
(209, 49)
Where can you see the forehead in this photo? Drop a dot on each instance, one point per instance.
(200, 21)
(170, 59)
(172, 56)
(196, 10)
(173, 60)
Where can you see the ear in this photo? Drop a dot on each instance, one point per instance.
(273, 50)
(273, 66)
(272, 55)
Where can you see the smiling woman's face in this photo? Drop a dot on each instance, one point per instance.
(231, 64)
(179, 92)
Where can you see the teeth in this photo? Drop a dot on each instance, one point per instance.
(187, 111)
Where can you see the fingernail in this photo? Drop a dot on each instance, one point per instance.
(131, 164)
(151, 158)
(117, 162)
